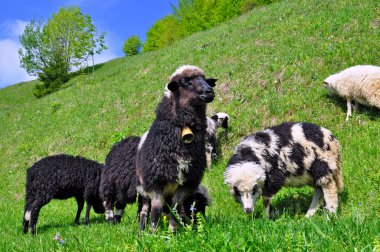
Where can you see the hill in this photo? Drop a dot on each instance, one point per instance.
(270, 63)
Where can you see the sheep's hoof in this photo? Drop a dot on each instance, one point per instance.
(111, 220)
(117, 219)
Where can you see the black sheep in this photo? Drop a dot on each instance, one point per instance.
(61, 177)
(119, 181)
(167, 165)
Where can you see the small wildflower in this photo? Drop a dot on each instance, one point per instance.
(164, 218)
(58, 238)
(192, 208)
(360, 204)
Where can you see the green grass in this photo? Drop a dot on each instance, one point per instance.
(270, 63)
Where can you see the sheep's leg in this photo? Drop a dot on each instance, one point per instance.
(25, 221)
(348, 108)
(27, 214)
(330, 194)
(157, 205)
(80, 202)
(87, 216)
(267, 207)
(316, 202)
(34, 217)
(144, 207)
(120, 206)
(177, 206)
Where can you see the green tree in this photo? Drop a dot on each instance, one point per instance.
(163, 33)
(132, 46)
(52, 49)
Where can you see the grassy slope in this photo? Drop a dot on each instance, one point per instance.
(270, 64)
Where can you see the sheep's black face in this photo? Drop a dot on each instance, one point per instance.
(194, 90)
(98, 206)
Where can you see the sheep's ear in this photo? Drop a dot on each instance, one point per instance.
(173, 86)
(211, 82)
(225, 123)
(215, 117)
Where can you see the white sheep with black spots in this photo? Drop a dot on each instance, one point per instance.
(290, 154)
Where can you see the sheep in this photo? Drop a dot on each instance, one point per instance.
(61, 177)
(358, 83)
(290, 154)
(167, 165)
(217, 120)
(119, 181)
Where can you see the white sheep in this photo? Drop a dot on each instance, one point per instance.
(358, 83)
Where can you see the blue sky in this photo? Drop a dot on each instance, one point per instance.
(119, 18)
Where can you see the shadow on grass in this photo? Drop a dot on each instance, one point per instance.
(372, 113)
(294, 204)
(94, 220)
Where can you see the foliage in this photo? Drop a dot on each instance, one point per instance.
(163, 33)
(248, 5)
(192, 16)
(132, 46)
(51, 50)
(270, 65)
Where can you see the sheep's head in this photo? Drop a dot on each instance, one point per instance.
(221, 119)
(188, 83)
(97, 205)
(245, 181)
(330, 83)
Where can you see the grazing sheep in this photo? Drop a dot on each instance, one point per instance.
(119, 181)
(290, 154)
(61, 177)
(167, 165)
(217, 120)
(358, 83)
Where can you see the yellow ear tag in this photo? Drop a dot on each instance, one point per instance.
(187, 135)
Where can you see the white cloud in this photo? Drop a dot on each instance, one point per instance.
(10, 70)
(13, 28)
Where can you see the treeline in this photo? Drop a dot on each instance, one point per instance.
(192, 16)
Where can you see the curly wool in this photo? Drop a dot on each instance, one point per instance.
(358, 83)
(119, 181)
(290, 154)
(61, 177)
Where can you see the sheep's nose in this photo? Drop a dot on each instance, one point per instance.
(208, 95)
(248, 210)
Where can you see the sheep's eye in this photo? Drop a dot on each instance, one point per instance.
(236, 191)
(254, 190)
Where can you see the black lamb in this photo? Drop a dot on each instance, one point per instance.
(61, 177)
(168, 165)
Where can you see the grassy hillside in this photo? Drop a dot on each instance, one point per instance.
(270, 64)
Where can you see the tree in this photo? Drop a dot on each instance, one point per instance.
(51, 50)
(132, 46)
(163, 33)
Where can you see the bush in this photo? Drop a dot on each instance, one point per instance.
(132, 46)
(52, 78)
